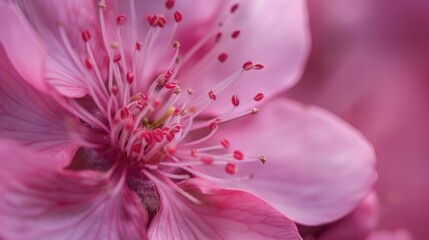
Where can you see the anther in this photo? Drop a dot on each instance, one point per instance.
(170, 85)
(138, 45)
(207, 160)
(254, 110)
(176, 44)
(225, 143)
(145, 96)
(157, 135)
(161, 21)
(238, 155)
(114, 90)
(102, 4)
(130, 77)
(235, 100)
(88, 63)
(137, 147)
(234, 7)
(117, 57)
(178, 16)
(258, 97)
(248, 65)
(120, 20)
(222, 57)
(218, 37)
(169, 4)
(168, 74)
(235, 34)
(86, 36)
(190, 91)
(212, 95)
(258, 66)
(230, 168)
(262, 158)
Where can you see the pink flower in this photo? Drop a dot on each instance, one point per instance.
(134, 120)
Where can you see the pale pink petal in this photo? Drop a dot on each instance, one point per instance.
(356, 225)
(22, 46)
(32, 117)
(73, 16)
(399, 234)
(318, 168)
(41, 201)
(273, 33)
(222, 214)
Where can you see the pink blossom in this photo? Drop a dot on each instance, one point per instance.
(139, 120)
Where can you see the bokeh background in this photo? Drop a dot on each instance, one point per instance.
(369, 64)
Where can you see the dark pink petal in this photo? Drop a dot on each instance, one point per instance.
(317, 167)
(222, 214)
(32, 117)
(39, 200)
(22, 46)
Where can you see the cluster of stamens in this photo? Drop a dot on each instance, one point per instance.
(152, 126)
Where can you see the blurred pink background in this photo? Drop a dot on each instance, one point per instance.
(369, 64)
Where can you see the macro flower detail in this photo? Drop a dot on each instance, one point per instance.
(150, 120)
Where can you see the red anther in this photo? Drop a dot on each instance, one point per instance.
(117, 57)
(258, 66)
(193, 153)
(161, 21)
(235, 100)
(120, 20)
(212, 95)
(214, 124)
(234, 7)
(258, 97)
(157, 135)
(147, 136)
(170, 136)
(176, 44)
(86, 35)
(130, 77)
(235, 34)
(137, 147)
(171, 149)
(177, 111)
(125, 112)
(138, 45)
(238, 155)
(248, 66)
(207, 160)
(114, 90)
(222, 57)
(129, 123)
(176, 128)
(145, 96)
(169, 4)
(230, 168)
(170, 85)
(218, 37)
(166, 129)
(88, 64)
(225, 143)
(178, 16)
(153, 20)
(168, 74)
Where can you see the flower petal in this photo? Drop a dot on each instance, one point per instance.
(223, 214)
(32, 117)
(273, 33)
(28, 55)
(318, 168)
(72, 16)
(41, 201)
(400, 234)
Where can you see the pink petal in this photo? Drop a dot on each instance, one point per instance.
(22, 46)
(41, 201)
(46, 17)
(222, 214)
(272, 33)
(31, 117)
(318, 168)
